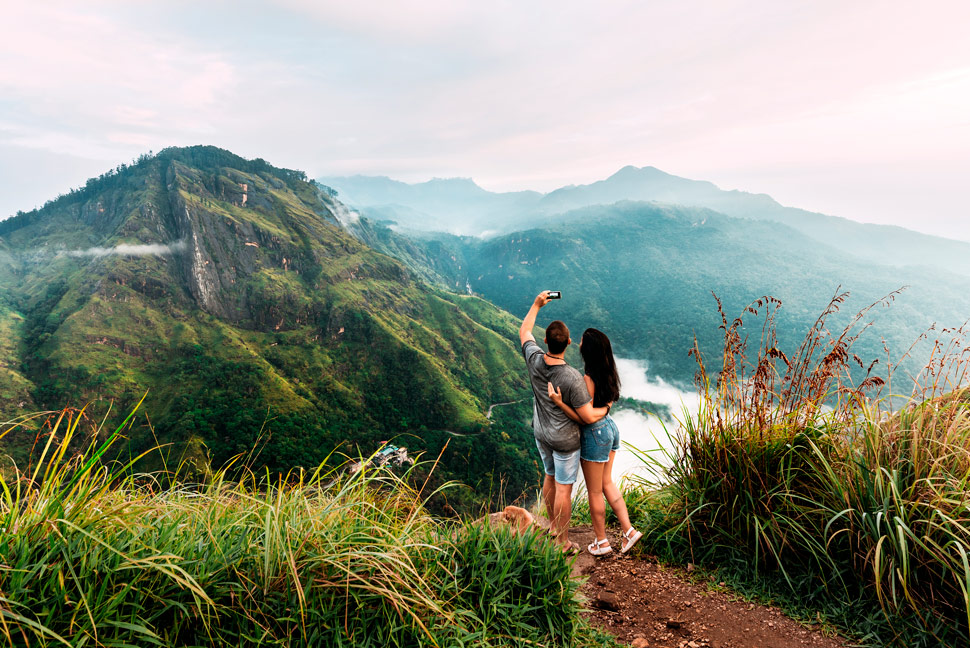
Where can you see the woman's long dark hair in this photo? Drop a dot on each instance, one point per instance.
(597, 353)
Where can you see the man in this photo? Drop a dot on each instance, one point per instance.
(557, 436)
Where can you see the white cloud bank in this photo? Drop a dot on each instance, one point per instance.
(154, 249)
(648, 435)
(345, 215)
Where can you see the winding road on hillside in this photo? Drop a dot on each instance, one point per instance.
(488, 415)
(494, 405)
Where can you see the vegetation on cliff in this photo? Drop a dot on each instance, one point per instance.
(227, 289)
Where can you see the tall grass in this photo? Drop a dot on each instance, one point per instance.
(93, 555)
(897, 511)
(794, 466)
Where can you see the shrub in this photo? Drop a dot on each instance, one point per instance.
(793, 466)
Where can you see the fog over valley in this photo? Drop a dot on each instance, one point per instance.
(648, 434)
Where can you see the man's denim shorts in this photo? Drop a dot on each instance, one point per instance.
(564, 466)
(598, 439)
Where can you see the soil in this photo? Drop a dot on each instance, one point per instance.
(645, 604)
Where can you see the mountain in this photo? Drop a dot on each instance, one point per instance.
(641, 184)
(227, 289)
(882, 244)
(645, 273)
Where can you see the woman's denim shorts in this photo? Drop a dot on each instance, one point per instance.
(598, 439)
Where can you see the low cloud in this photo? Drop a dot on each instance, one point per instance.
(345, 215)
(154, 249)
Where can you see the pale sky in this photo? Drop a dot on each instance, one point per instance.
(857, 109)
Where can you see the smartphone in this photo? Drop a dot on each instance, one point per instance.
(555, 294)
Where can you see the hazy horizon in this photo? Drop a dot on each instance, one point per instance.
(859, 111)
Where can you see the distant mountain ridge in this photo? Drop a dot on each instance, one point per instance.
(632, 183)
(455, 205)
(495, 213)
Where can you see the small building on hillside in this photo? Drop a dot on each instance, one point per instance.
(388, 455)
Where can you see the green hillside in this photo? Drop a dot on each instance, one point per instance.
(254, 321)
(645, 273)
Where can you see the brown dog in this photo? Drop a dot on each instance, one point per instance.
(514, 516)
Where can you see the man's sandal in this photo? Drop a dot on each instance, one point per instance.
(600, 547)
(571, 549)
(630, 538)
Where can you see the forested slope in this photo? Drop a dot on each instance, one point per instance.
(227, 290)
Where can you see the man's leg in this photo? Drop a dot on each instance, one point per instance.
(564, 511)
(566, 469)
(549, 498)
(548, 481)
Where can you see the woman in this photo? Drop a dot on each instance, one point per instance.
(600, 440)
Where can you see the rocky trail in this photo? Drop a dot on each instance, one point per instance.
(648, 605)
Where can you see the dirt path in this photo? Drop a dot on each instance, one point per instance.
(647, 605)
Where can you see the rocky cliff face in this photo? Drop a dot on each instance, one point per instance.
(216, 250)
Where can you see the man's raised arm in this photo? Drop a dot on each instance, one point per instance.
(525, 331)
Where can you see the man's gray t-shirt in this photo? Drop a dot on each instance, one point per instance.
(549, 423)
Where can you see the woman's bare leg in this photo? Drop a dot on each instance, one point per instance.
(593, 474)
(613, 496)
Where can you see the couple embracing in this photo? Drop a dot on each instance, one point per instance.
(572, 427)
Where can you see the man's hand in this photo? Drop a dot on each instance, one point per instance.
(525, 331)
